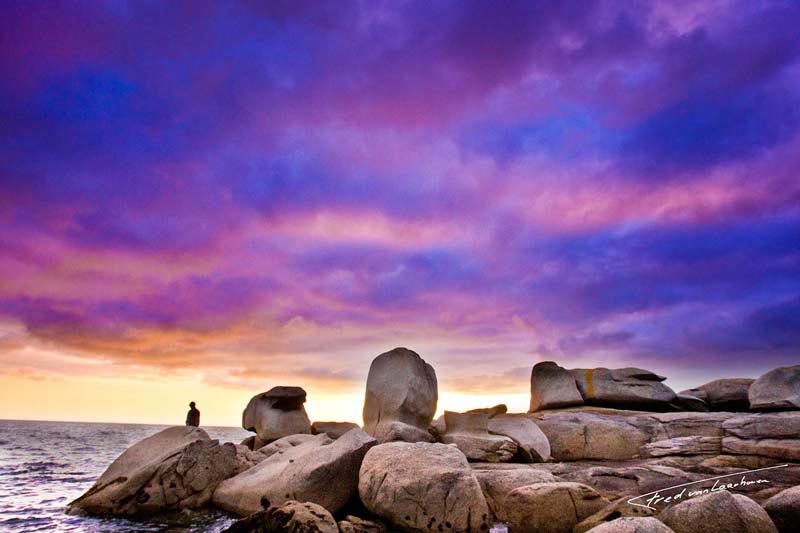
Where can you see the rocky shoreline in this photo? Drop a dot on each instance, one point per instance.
(601, 450)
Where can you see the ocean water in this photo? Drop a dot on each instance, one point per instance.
(45, 465)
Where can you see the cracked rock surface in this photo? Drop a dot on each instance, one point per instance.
(423, 487)
(177, 468)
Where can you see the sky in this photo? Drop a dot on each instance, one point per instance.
(200, 201)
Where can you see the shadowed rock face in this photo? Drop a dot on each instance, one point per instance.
(728, 394)
(784, 509)
(777, 389)
(422, 486)
(297, 517)
(177, 468)
(277, 413)
(553, 387)
(688, 402)
(401, 397)
(718, 511)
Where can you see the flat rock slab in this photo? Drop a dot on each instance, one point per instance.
(320, 470)
(683, 446)
(578, 435)
(626, 387)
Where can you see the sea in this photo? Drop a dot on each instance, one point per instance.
(46, 465)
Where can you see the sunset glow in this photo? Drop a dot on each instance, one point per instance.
(200, 201)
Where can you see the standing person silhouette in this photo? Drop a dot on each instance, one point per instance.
(193, 416)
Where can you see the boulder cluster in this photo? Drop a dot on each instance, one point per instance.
(555, 387)
(593, 442)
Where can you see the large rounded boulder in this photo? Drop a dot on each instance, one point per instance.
(175, 469)
(718, 511)
(422, 487)
(784, 509)
(401, 397)
(551, 507)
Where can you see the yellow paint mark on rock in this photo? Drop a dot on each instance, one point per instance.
(589, 383)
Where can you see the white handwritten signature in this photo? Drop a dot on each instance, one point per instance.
(655, 497)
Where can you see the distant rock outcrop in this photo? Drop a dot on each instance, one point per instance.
(778, 389)
(401, 397)
(727, 394)
(553, 387)
(631, 388)
(277, 413)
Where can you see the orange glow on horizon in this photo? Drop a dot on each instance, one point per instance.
(123, 400)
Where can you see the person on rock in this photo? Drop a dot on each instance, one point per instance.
(193, 416)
